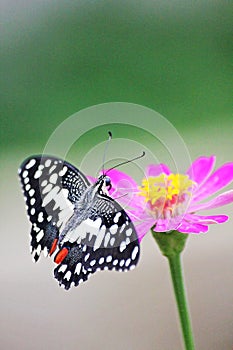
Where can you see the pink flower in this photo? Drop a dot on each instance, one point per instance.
(167, 201)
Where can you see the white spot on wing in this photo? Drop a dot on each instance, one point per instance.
(116, 217)
(129, 232)
(33, 255)
(122, 228)
(47, 163)
(38, 249)
(25, 173)
(61, 199)
(67, 275)
(93, 227)
(38, 173)
(122, 262)
(134, 253)
(78, 268)
(128, 261)
(109, 259)
(30, 164)
(44, 183)
(113, 229)
(122, 246)
(100, 237)
(51, 195)
(40, 236)
(53, 178)
(52, 169)
(31, 192)
(63, 171)
(40, 217)
(26, 180)
(47, 188)
(86, 257)
(62, 268)
(36, 229)
(107, 238)
(112, 241)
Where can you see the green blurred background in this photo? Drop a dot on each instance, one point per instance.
(58, 57)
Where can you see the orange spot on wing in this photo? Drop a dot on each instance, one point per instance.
(61, 255)
(54, 245)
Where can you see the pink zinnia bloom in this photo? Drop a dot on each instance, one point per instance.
(167, 201)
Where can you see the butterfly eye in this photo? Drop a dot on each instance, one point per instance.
(108, 182)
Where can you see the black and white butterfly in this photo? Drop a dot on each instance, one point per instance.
(78, 221)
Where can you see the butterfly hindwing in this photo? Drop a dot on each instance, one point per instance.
(71, 272)
(112, 246)
(50, 187)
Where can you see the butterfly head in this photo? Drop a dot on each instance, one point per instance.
(104, 183)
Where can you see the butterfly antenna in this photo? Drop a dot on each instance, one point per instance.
(126, 162)
(106, 148)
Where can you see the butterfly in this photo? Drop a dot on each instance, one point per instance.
(75, 221)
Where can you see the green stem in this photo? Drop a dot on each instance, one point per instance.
(171, 245)
(179, 289)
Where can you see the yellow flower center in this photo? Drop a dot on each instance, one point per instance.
(166, 195)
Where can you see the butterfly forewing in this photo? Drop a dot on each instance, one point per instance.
(50, 187)
(92, 230)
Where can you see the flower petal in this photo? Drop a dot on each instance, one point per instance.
(124, 188)
(201, 169)
(165, 225)
(117, 177)
(162, 225)
(219, 201)
(206, 219)
(188, 227)
(219, 179)
(142, 229)
(142, 221)
(157, 169)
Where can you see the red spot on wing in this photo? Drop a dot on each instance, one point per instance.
(61, 255)
(54, 245)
